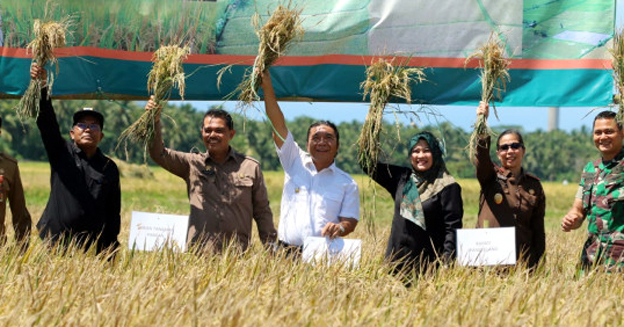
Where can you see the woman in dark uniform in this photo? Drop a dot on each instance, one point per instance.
(427, 206)
(511, 197)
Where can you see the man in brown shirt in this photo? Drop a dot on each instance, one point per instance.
(226, 189)
(11, 189)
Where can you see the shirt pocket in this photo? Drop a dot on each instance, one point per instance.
(529, 204)
(614, 185)
(587, 181)
(5, 184)
(242, 188)
(296, 190)
(330, 205)
(98, 184)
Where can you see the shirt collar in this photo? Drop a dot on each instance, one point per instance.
(79, 151)
(506, 174)
(618, 157)
(231, 155)
(307, 161)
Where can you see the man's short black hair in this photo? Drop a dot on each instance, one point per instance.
(326, 123)
(511, 131)
(219, 113)
(607, 114)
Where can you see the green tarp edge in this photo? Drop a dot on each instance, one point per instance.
(93, 77)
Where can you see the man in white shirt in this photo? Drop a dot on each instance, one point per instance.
(318, 198)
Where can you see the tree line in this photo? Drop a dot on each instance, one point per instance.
(555, 155)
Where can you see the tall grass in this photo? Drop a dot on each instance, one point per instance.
(258, 288)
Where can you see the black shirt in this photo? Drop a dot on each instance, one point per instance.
(85, 196)
(443, 211)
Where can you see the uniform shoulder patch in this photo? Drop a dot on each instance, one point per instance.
(8, 157)
(252, 159)
(532, 176)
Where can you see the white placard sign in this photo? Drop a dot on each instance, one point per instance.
(486, 246)
(152, 231)
(323, 249)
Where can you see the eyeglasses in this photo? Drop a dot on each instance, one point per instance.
(93, 127)
(514, 146)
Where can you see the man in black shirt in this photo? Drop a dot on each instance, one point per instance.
(85, 197)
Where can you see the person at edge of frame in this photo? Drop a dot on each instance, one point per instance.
(599, 199)
(11, 190)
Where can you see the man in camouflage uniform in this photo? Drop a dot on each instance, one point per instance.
(600, 198)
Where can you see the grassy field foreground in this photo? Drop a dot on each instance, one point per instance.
(257, 288)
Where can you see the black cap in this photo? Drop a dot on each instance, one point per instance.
(89, 112)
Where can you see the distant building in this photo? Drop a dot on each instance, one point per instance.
(553, 118)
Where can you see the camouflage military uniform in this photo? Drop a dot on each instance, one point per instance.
(602, 193)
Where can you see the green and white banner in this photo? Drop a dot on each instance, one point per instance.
(558, 47)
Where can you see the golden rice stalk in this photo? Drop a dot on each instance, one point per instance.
(617, 61)
(276, 36)
(494, 71)
(48, 36)
(167, 73)
(384, 80)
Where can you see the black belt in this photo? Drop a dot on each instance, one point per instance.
(291, 250)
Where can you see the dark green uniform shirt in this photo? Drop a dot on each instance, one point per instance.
(602, 186)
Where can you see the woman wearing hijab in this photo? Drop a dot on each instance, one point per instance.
(428, 206)
(510, 196)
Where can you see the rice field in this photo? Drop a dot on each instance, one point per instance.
(132, 25)
(258, 288)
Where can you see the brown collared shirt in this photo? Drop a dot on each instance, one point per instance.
(11, 190)
(224, 198)
(508, 201)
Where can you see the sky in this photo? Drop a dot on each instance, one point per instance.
(529, 118)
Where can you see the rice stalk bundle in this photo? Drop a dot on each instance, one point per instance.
(47, 37)
(276, 36)
(167, 73)
(384, 81)
(617, 61)
(494, 74)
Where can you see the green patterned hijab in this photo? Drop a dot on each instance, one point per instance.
(436, 152)
(416, 187)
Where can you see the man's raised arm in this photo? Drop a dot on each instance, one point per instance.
(273, 110)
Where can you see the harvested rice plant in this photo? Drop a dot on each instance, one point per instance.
(166, 75)
(386, 80)
(275, 36)
(48, 36)
(494, 75)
